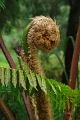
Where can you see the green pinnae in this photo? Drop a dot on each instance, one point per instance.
(24, 38)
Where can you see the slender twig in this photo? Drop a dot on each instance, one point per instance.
(73, 71)
(6, 111)
(6, 53)
(74, 65)
(27, 104)
(13, 65)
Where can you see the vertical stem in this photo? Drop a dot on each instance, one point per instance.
(13, 65)
(6, 111)
(6, 53)
(73, 71)
(27, 105)
(74, 65)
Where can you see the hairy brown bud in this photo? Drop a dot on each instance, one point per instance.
(45, 33)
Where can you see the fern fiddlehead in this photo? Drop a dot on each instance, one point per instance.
(43, 34)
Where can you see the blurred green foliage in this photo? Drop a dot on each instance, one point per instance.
(14, 17)
(2, 4)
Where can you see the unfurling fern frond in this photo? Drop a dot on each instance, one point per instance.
(43, 34)
(62, 93)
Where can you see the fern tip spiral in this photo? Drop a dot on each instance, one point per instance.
(44, 33)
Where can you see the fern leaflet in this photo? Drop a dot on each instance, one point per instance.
(28, 80)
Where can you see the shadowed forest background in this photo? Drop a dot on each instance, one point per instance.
(16, 14)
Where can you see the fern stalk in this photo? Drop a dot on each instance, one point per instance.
(12, 65)
(6, 53)
(73, 71)
(6, 112)
(74, 65)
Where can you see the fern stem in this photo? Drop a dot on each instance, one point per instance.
(27, 104)
(43, 106)
(13, 65)
(74, 65)
(6, 112)
(6, 53)
(73, 71)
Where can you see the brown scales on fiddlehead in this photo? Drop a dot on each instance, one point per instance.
(44, 35)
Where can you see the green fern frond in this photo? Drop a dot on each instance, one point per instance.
(14, 76)
(62, 93)
(43, 86)
(7, 76)
(24, 40)
(2, 75)
(32, 80)
(22, 79)
(41, 82)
